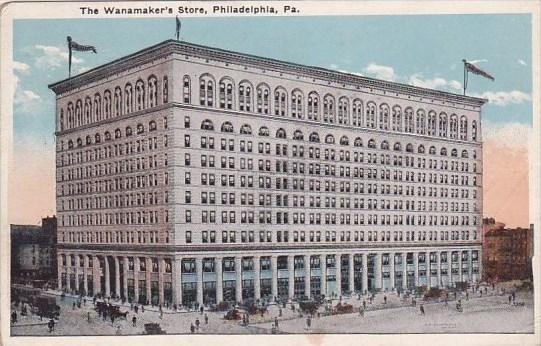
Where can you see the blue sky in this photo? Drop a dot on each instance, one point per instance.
(421, 50)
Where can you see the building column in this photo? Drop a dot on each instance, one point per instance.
(97, 275)
(470, 266)
(136, 267)
(107, 278)
(68, 272)
(219, 279)
(428, 269)
(391, 261)
(77, 264)
(238, 280)
(291, 276)
(479, 264)
(307, 276)
(161, 269)
(323, 279)
(117, 277)
(177, 282)
(274, 266)
(257, 277)
(125, 277)
(438, 261)
(148, 275)
(199, 275)
(416, 269)
(364, 280)
(338, 266)
(460, 266)
(85, 273)
(378, 271)
(450, 279)
(59, 268)
(351, 273)
(404, 270)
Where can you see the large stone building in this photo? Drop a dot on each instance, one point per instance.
(33, 252)
(193, 174)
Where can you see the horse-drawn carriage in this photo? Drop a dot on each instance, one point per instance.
(45, 306)
(110, 310)
(153, 329)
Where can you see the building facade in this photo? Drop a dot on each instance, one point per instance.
(193, 174)
(33, 252)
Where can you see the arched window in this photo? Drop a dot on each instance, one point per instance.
(62, 120)
(79, 112)
(453, 124)
(297, 135)
(397, 147)
(245, 96)
(463, 128)
(314, 137)
(264, 131)
(118, 101)
(152, 126)
(443, 152)
(442, 125)
(358, 142)
(140, 129)
(97, 138)
(420, 122)
(118, 134)
(464, 154)
(280, 101)
(432, 150)
(107, 104)
(409, 148)
(384, 145)
(281, 133)
(408, 120)
(370, 115)
(313, 106)
(263, 102)
(384, 117)
(107, 136)
(329, 139)
(421, 149)
(139, 95)
(454, 153)
(165, 90)
(88, 110)
(207, 125)
(226, 93)
(128, 98)
(70, 144)
(297, 104)
(372, 144)
(128, 131)
(88, 140)
(71, 121)
(474, 130)
(186, 89)
(357, 113)
(344, 140)
(397, 119)
(328, 109)
(206, 90)
(343, 110)
(227, 127)
(246, 129)
(152, 91)
(431, 130)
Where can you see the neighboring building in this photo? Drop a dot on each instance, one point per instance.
(507, 254)
(194, 174)
(33, 252)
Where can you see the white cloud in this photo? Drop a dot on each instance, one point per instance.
(53, 57)
(380, 71)
(509, 134)
(522, 62)
(26, 101)
(20, 67)
(435, 83)
(504, 98)
(83, 69)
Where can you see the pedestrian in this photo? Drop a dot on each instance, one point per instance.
(510, 299)
(364, 304)
(131, 306)
(206, 318)
(513, 294)
(14, 317)
(142, 308)
(52, 324)
(486, 290)
(385, 299)
(279, 312)
(73, 306)
(467, 296)
(136, 308)
(244, 319)
(201, 309)
(88, 317)
(361, 312)
(455, 295)
(192, 328)
(134, 321)
(197, 323)
(118, 331)
(112, 319)
(84, 301)
(276, 322)
(308, 322)
(161, 314)
(422, 309)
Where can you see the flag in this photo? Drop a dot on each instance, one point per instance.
(74, 46)
(178, 27)
(476, 70)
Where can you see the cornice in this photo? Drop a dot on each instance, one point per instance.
(168, 47)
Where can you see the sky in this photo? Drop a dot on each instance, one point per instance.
(422, 50)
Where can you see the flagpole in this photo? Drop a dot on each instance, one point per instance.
(69, 58)
(465, 76)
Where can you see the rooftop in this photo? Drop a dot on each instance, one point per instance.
(167, 47)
